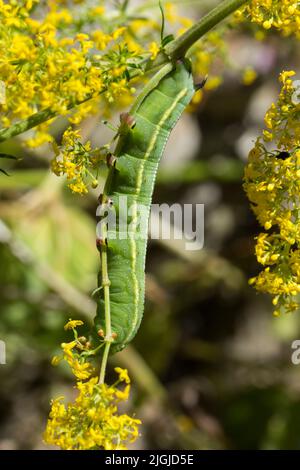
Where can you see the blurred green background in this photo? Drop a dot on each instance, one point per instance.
(211, 367)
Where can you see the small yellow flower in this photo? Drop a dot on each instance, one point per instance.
(267, 24)
(56, 360)
(154, 49)
(82, 371)
(213, 82)
(268, 225)
(123, 374)
(249, 76)
(123, 394)
(68, 346)
(72, 324)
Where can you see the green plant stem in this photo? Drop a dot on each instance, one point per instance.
(178, 48)
(174, 50)
(105, 284)
(34, 120)
(104, 362)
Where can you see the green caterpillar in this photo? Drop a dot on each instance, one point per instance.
(143, 135)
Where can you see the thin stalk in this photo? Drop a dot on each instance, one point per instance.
(105, 285)
(104, 363)
(178, 48)
(34, 120)
(46, 114)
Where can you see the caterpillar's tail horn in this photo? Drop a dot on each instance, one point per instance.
(200, 85)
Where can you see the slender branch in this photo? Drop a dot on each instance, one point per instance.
(178, 48)
(108, 339)
(34, 120)
(104, 362)
(46, 114)
(106, 284)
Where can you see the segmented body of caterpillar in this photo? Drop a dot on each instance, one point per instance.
(133, 174)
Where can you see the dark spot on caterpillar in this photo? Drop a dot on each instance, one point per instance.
(100, 242)
(283, 155)
(103, 204)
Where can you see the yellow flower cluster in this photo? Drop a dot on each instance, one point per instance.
(272, 183)
(76, 161)
(44, 65)
(76, 353)
(92, 421)
(283, 15)
(282, 119)
(80, 368)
